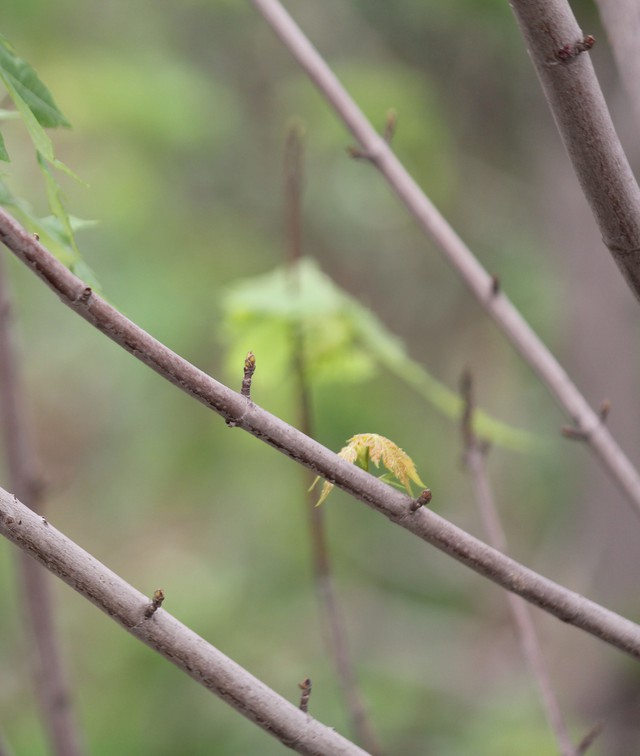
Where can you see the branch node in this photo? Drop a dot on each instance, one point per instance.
(603, 412)
(570, 51)
(305, 687)
(390, 126)
(495, 285)
(36, 237)
(156, 603)
(422, 500)
(574, 434)
(83, 297)
(358, 153)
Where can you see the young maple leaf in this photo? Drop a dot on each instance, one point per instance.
(370, 447)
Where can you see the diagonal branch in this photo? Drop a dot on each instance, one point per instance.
(557, 48)
(240, 411)
(481, 284)
(165, 634)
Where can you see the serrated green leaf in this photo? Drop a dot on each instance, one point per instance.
(20, 77)
(34, 104)
(365, 447)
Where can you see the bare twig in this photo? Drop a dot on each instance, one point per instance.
(233, 407)
(474, 456)
(555, 43)
(333, 619)
(461, 258)
(165, 634)
(50, 682)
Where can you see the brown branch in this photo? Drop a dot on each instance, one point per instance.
(482, 285)
(166, 635)
(556, 46)
(564, 604)
(474, 457)
(332, 616)
(49, 678)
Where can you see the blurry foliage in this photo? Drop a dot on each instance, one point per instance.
(180, 113)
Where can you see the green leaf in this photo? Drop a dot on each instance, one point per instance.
(344, 342)
(21, 79)
(33, 102)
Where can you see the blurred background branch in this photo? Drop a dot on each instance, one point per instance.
(50, 683)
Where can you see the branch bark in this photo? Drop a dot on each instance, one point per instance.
(240, 411)
(481, 284)
(555, 43)
(166, 635)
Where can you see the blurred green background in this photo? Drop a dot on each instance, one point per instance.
(180, 113)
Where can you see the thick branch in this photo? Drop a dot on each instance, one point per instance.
(482, 285)
(165, 634)
(241, 411)
(557, 48)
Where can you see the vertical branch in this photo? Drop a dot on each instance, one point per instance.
(49, 678)
(474, 457)
(333, 620)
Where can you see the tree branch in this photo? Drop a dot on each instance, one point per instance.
(556, 46)
(481, 284)
(475, 460)
(240, 411)
(333, 619)
(49, 679)
(166, 635)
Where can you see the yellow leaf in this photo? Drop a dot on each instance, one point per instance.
(378, 449)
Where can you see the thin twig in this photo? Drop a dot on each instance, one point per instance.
(333, 619)
(568, 606)
(556, 46)
(166, 635)
(49, 677)
(482, 285)
(474, 456)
